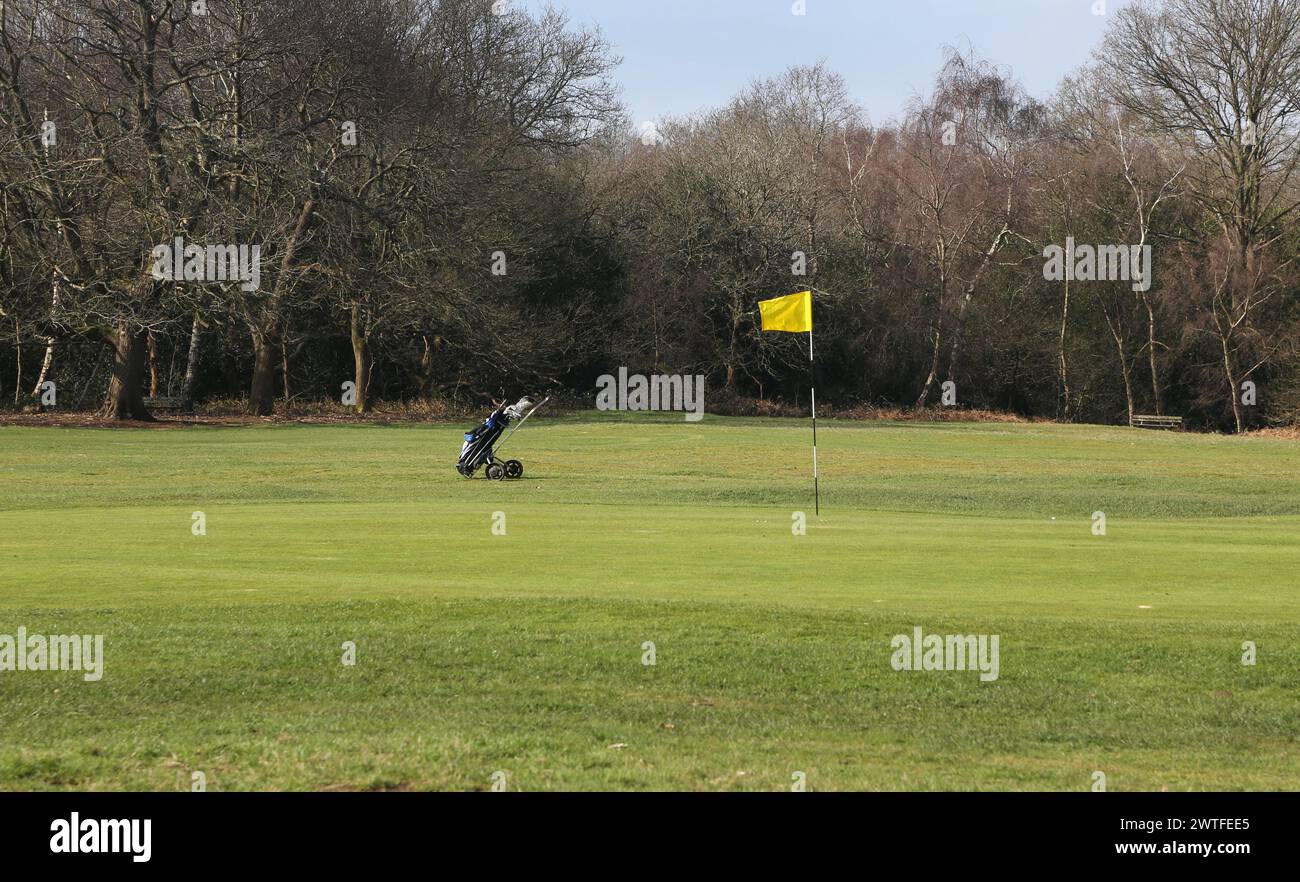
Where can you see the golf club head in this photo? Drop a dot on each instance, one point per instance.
(520, 407)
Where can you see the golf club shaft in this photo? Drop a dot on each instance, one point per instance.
(516, 426)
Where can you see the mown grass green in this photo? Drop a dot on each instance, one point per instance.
(523, 653)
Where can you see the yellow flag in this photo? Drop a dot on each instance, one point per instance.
(792, 313)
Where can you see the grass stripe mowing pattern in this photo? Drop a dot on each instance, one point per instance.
(522, 652)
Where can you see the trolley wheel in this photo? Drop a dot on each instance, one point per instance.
(514, 468)
(496, 472)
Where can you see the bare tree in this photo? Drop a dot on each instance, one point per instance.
(1222, 77)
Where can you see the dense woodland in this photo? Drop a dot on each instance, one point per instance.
(450, 204)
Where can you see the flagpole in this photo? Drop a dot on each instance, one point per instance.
(793, 313)
(812, 376)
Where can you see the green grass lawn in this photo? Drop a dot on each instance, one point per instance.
(523, 653)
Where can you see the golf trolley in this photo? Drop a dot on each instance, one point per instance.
(481, 444)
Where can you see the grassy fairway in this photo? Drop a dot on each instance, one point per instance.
(523, 652)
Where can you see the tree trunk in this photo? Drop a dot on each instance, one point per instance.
(1124, 368)
(1232, 384)
(960, 328)
(192, 363)
(265, 328)
(18, 362)
(48, 361)
(46, 364)
(153, 365)
(284, 372)
(1151, 355)
(1128, 387)
(955, 349)
(731, 350)
(426, 370)
(1060, 352)
(261, 395)
(1245, 282)
(125, 401)
(936, 334)
(361, 360)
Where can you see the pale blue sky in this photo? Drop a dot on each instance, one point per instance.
(683, 55)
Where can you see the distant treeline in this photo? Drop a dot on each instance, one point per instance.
(264, 200)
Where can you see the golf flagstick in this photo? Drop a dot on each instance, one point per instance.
(516, 426)
(793, 314)
(812, 375)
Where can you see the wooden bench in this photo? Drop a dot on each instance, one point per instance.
(1150, 421)
(165, 403)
